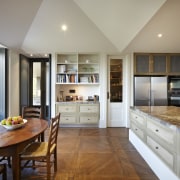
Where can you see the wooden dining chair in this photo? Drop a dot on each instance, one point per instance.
(33, 112)
(45, 153)
(6, 158)
(3, 171)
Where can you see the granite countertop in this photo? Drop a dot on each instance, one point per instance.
(170, 114)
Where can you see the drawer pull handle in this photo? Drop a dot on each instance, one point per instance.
(67, 119)
(157, 130)
(157, 147)
(136, 129)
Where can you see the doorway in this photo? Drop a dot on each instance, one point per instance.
(35, 84)
(3, 83)
(115, 92)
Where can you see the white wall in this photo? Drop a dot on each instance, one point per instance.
(127, 87)
(101, 89)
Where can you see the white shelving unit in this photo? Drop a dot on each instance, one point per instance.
(66, 69)
(77, 69)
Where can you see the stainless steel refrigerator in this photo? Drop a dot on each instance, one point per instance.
(150, 91)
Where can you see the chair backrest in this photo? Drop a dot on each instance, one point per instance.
(31, 112)
(53, 133)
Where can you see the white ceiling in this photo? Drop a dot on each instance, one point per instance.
(120, 20)
(15, 19)
(165, 21)
(111, 26)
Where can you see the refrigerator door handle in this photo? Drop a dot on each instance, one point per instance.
(152, 97)
(149, 97)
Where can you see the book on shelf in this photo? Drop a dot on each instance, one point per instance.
(94, 78)
(73, 78)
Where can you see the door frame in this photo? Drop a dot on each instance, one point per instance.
(114, 106)
(26, 86)
(4, 80)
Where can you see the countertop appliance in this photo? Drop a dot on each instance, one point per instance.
(150, 91)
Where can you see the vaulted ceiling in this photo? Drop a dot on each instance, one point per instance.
(111, 26)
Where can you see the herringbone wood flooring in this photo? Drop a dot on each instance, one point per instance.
(96, 154)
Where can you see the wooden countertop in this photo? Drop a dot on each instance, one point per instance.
(170, 114)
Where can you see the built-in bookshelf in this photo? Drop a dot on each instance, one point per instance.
(76, 68)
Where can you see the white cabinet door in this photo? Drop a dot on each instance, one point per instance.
(162, 152)
(115, 118)
(68, 119)
(115, 89)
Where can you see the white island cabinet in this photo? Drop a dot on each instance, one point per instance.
(157, 140)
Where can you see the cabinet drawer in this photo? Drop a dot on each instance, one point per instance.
(178, 143)
(66, 109)
(166, 156)
(165, 134)
(88, 109)
(138, 119)
(88, 120)
(68, 119)
(178, 165)
(138, 131)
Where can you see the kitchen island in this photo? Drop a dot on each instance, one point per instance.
(155, 133)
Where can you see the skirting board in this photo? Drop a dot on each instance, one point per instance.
(162, 171)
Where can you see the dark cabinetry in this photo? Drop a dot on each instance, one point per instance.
(159, 63)
(174, 63)
(156, 64)
(146, 64)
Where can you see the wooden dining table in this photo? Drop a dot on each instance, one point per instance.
(12, 142)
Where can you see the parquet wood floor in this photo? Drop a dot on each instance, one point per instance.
(96, 154)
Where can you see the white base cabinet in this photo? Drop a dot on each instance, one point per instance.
(68, 113)
(78, 113)
(116, 115)
(157, 165)
(161, 138)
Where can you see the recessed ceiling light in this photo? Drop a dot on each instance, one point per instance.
(31, 55)
(159, 35)
(46, 55)
(64, 27)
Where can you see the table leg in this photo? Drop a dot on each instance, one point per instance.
(42, 137)
(15, 166)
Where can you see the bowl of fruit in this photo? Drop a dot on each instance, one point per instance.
(13, 122)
